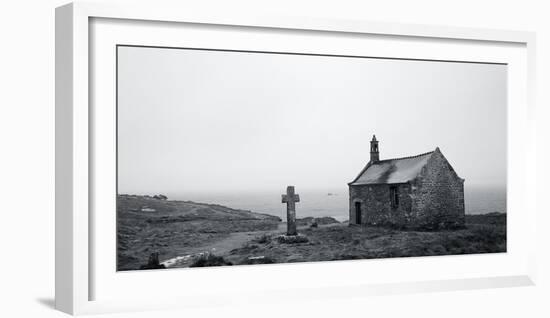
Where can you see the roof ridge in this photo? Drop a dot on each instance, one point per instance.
(408, 157)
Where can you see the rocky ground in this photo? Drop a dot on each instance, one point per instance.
(187, 234)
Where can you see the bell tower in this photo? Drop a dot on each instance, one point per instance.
(374, 154)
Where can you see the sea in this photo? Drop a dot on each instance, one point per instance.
(333, 203)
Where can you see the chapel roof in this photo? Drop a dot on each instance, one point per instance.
(397, 170)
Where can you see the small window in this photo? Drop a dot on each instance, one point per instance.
(394, 197)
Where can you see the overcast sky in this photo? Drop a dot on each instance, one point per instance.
(199, 121)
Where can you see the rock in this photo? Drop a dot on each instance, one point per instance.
(153, 262)
(160, 197)
(320, 221)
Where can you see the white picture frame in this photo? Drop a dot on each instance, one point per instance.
(77, 157)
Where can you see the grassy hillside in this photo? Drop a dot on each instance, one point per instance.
(483, 234)
(171, 228)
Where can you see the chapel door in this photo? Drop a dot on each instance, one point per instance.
(357, 212)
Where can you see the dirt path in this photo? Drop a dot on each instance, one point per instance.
(222, 247)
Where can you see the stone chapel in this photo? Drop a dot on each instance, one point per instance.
(422, 191)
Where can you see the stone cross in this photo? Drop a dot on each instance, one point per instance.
(290, 199)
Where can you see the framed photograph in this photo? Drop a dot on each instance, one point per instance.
(274, 155)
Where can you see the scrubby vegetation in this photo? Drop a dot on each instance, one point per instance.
(482, 234)
(210, 260)
(292, 239)
(257, 260)
(264, 238)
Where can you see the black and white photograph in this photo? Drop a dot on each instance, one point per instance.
(229, 158)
